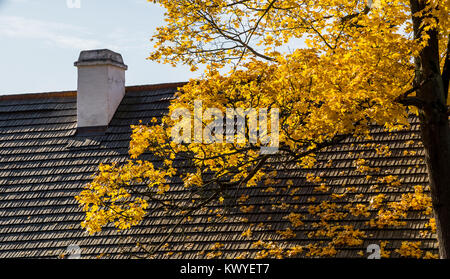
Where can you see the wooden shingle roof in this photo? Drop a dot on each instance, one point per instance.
(44, 164)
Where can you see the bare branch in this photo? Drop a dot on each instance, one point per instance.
(183, 217)
(236, 39)
(411, 101)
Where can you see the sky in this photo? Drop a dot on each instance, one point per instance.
(41, 39)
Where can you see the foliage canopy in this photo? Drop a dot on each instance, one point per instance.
(332, 68)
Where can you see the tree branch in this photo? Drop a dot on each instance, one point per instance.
(234, 39)
(349, 17)
(411, 101)
(183, 217)
(247, 41)
(405, 100)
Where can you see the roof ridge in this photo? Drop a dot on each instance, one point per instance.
(44, 95)
(154, 86)
(73, 93)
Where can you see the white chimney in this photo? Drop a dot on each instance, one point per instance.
(101, 87)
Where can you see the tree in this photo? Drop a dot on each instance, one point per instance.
(354, 64)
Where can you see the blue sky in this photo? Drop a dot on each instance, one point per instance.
(40, 40)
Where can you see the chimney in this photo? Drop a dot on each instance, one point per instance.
(101, 87)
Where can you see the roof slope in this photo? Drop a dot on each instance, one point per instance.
(44, 164)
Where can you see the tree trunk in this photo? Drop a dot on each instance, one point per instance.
(435, 129)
